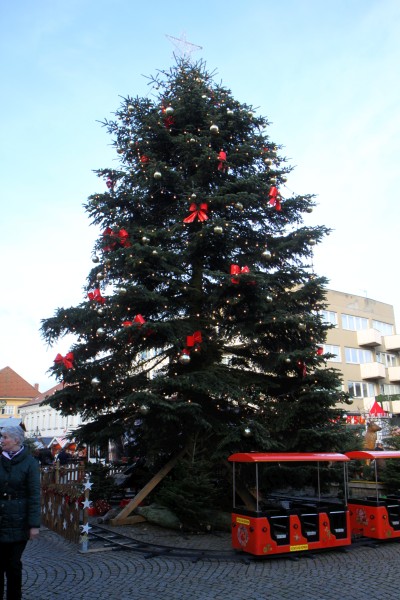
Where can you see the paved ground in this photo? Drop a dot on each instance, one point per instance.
(53, 568)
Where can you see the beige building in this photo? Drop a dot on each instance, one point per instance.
(366, 350)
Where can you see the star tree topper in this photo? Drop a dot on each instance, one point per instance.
(185, 48)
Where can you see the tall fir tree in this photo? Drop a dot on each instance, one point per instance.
(200, 329)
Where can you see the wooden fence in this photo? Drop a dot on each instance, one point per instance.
(65, 501)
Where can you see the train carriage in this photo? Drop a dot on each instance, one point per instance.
(286, 524)
(375, 516)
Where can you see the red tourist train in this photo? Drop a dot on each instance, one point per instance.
(279, 524)
(375, 516)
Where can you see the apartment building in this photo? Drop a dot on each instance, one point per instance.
(366, 349)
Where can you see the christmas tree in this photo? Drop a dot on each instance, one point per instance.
(200, 330)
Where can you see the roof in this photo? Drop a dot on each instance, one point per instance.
(255, 457)
(44, 395)
(373, 454)
(59, 441)
(13, 385)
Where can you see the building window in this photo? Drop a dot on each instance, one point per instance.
(335, 350)
(358, 356)
(383, 328)
(389, 389)
(329, 316)
(7, 410)
(389, 360)
(360, 389)
(353, 323)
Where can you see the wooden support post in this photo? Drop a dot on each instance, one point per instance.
(84, 537)
(57, 472)
(123, 517)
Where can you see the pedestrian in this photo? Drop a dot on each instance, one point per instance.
(45, 457)
(19, 507)
(63, 457)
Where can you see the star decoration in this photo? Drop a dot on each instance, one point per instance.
(87, 485)
(85, 528)
(184, 47)
(87, 503)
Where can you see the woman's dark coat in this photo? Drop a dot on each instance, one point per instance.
(19, 497)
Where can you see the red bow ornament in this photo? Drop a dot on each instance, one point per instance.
(66, 361)
(110, 183)
(137, 319)
(302, 368)
(144, 159)
(96, 296)
(236, 270)
(168, 119)
(121, 238)
(275, 198)
(194, 340)
(200, 213)
(222, 166)
(110, 246)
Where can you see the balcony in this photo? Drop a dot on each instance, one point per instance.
(394, 373)
(369, 337)
(372, 370)
(392, 342)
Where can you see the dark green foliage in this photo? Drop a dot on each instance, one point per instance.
(189, 492)
(389, 469)
(195, 486)
(255, 380)
(104, 487)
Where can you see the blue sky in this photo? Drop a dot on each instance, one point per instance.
(325, 73)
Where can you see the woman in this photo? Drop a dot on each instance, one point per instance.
(19, 507)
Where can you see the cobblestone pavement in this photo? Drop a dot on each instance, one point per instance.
(53, 568)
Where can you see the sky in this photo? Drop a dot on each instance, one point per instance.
(325, 73)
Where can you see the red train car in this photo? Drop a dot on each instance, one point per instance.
(375, 516)
(287, 525)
